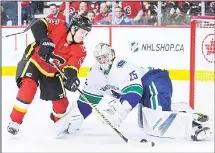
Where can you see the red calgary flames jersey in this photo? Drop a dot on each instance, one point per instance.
(58, 16)
(72, 55)
(73, 6)
(131, 8)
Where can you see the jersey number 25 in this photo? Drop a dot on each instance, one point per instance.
(133, 75)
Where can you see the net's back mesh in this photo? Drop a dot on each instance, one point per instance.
(202, 65)
(209, 48)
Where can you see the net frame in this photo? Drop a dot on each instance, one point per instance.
(193, 30)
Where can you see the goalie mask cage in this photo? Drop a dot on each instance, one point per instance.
(202, 61)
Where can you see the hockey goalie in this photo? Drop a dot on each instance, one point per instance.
(131, 86)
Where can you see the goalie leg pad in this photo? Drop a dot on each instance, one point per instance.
(140, 115)
(75, 118)
(167, 124)
(63, 124)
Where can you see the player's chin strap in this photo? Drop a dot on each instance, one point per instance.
(146, 142)
(73, 36)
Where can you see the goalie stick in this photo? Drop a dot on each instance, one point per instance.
(144, 141)
(25, 30)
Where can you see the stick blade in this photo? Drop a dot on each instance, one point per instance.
(143, 142)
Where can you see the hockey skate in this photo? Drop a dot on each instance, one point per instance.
(13, 128)
(201, 117)
(200, 132)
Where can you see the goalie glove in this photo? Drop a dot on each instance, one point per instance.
(117, 112)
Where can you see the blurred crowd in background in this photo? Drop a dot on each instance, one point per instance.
(107, 13)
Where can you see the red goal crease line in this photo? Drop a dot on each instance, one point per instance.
(175, 74)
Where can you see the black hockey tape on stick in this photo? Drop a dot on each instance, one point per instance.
(144, 141)
(25, 30)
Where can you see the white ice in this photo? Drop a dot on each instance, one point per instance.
(37, 131)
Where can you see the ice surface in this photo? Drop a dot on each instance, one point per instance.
(37, 131)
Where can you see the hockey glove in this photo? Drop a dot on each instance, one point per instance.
(46, 49)
(72, 82)
(116, 112)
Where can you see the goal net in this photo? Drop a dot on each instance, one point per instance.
(202, 64)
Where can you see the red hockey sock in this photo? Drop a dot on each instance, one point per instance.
(59, 108)
(24, 97)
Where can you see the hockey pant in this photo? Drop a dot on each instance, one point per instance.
(157, 88)
(28, 77)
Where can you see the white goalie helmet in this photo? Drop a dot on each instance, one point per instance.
(104, 55)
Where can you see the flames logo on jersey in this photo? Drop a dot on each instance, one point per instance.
(71, 10)
(58, 59)
(127, 10)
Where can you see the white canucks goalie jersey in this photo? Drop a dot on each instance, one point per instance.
(123, 82)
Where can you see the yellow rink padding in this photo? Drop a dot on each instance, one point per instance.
(175, 74)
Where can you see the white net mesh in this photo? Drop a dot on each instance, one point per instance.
(203, 64)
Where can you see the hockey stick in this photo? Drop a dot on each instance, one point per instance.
(151, 144)
(25, 30)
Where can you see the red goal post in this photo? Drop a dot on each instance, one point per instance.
(202, 55)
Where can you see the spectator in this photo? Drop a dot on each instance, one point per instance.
(91, 16)
(150, 8)
(4, 17)
(83, 8)
(11, 10)
(104, 17)
(133, 10)
(150, 13)
(119, 18)
(210, 8)
(55, 14)
(94, 6)
(37, 7)
(109, 4)
(176, 13)
(194, 8)
(73, 7)
(29, 9)
(26, 12)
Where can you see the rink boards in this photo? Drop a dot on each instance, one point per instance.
(163, 47)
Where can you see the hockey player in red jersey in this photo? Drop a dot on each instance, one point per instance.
(54, 39)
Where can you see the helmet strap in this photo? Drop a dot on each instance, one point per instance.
(75, 30)
(73, 39)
